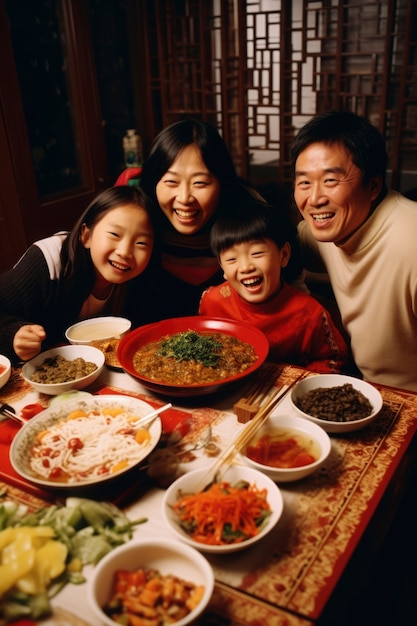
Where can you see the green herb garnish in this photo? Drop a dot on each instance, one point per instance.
(190, 345)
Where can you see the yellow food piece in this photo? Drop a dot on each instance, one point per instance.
(30, 558)
(134, 418)
(75, 565)
(41, 435)
(49, 563)
(120, 465)
(6, 536)
(142, 436)
(113, 412)
(77, 413)
(13, 570)
(195, 598)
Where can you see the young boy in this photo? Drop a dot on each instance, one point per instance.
(256, 247)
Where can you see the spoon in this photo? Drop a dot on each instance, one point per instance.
(151, 416)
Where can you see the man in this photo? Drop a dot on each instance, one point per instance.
(365, 237)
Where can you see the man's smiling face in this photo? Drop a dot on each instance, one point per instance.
(329, 192)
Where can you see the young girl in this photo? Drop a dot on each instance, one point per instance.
(72, 276)
(253, 242)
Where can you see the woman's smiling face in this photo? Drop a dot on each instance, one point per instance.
(188, 193)
(329, 192)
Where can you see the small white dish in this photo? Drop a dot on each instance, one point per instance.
(97, 329)
(5, 370)
(337, 380)
(292, 426)
(69, 353)
(165, 555)
(191, 482)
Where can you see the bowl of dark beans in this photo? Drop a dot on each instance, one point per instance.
(336, 402)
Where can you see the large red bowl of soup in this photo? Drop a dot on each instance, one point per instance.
(192, 356)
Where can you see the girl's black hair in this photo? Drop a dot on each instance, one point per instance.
(360, 138)
(173, 139)
(77, 267)
(248, 216)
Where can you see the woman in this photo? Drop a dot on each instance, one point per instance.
(189, 173)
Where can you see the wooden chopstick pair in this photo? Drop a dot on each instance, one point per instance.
(244, 437)
(257, 394)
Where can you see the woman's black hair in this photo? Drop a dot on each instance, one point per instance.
(361, 138)
(173, 139)
(247, 217)
(77, 267)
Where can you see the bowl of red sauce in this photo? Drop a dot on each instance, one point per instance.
(288, 448)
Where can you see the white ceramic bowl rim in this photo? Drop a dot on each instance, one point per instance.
(4, 376)
(333, 380)
(120, 326)
(23, 440)
(174, 549)
(306, 427)
(233, 474)
(70, 352)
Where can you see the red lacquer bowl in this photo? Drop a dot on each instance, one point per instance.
(144, 335)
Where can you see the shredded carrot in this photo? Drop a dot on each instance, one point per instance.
(223, 514)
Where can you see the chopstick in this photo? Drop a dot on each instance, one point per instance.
(257, 394)
(263, 384)
(249, 431)
(8, 412)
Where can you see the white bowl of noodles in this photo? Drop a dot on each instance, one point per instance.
(84, 441)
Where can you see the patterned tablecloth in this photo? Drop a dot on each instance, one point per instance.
(286, 579)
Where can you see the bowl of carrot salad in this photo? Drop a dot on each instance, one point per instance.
(233, 513)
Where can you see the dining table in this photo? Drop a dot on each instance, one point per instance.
(289, 577)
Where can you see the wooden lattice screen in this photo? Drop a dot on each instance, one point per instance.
(259, 69)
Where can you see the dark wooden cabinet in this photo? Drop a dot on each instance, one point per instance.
(52, 129)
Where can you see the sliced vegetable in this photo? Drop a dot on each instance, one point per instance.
(223, 514)
(42, 551)
(30, 410)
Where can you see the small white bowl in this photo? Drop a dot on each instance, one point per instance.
(193, 481)
(166, 556)
(337, 380)
(70, 353)
(97, 329)
(293, 425)
(5, 370)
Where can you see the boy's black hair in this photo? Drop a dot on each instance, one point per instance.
(247, 216)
